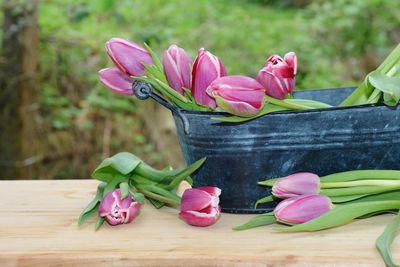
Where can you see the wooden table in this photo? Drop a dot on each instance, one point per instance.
(38, 227)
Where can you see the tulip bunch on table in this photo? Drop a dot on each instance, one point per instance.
(312, 203)
(126, 181)
(203, 84)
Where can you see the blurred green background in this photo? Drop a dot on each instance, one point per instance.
(77, 122)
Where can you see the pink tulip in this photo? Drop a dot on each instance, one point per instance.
(302, 183)
(117, 210)
(279, 75)
(127, 56)
(239, 95)
(206, 68)
(302, 209)
(116, 81)
(200, 206)
(177, 68)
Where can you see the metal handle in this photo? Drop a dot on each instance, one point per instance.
(144, 90)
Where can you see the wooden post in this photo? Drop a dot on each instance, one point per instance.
(19, 139)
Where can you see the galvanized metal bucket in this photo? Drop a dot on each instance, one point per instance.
(322, 141)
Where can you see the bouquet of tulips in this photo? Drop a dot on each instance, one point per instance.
(312, 203)
(203, 85)
(126, 180)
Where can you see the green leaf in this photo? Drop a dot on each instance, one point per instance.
(311, 104)
(385, 240)
(390, 86)
(362, 175)
(341, 199)
(358, 190)
(341, 215)
(139, 197)
(157, 204)
(184, 173)
(259, 220)
(99, 223)
(269, 182)
(120, 164)
(124, 189)
(93, 205)
(111, 185)
(87, 215)
(268, 108)
(379, 197)
(155, 58)
(263, 200)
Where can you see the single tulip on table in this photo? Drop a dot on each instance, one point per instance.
(200, 206)
(117, 210)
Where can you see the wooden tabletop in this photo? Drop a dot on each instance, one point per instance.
(38, 227)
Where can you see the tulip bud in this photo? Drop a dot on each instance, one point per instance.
(127, 56)
(302, 183)
(302, 209)
(239, 95)
(206, 68)
(177, 68)
(116, 81)
(200, 206)
(278, 75)
(117, 210)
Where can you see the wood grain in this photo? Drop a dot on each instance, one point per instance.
(38, 227)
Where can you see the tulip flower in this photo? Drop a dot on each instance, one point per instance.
(206, 68)
(302, 209)
(239, 95)
(116, 81)
(278, 75)
(116, 210)
(177, 68)
(200, 206)
(302, 183)
(127, 56)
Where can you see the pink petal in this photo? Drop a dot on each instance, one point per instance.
(237, 108)
(274, 85)
(212, 190)
(291, 60)
(302, 209)
(106, 204)
(127, 56)
(201, 219)
(132, 212)
(195, 199)
(116, 81)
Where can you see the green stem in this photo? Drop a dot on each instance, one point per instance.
(157, 197)
(362, 175)
(361, 183)
(359, 190)
(282, 103)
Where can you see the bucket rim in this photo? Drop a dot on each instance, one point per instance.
(222, 113)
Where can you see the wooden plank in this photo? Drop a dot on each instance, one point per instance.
(38, 228)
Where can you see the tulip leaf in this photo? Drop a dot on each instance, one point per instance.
(124, 187)
(358, 190)
(269, 182)
(380, 197)
(138, 197)
(99, 223)
(157, 204)
(390, 86)
(184, 173)
(92, 207)
(341, 199)
(114, 184)
(311, 104)
(385, 240)
(341, 215)
(268, 108)
(362, 175)
(259, 220)
(155, 58)
(263, 200)
(118, 165)
(87, 215)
